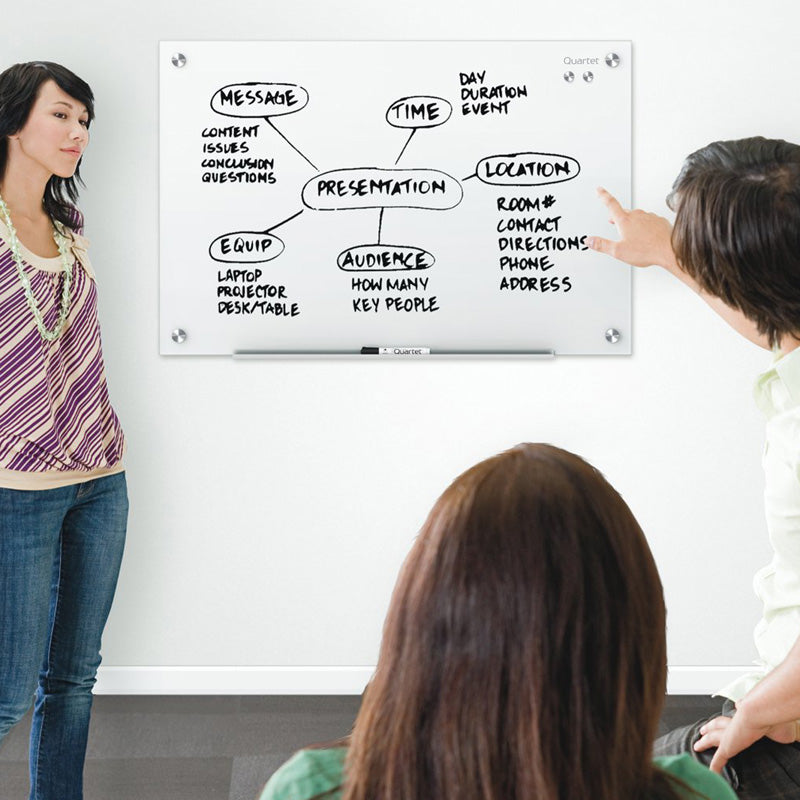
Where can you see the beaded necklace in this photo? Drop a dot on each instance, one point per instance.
(61, 243)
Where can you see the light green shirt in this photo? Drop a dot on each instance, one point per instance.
(310, 773)
(777, 393)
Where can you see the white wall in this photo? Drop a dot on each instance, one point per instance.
(272, 502)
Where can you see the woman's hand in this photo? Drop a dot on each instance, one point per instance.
(645, 238)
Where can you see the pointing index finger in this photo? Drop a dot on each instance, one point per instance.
(611, 203)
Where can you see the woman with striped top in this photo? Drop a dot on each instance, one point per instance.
(63, 499)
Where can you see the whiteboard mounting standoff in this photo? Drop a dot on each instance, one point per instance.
(613, 335)
(612, 59)
(178, 60)
(179, 336)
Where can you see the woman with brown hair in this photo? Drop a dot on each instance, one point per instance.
(523, 655)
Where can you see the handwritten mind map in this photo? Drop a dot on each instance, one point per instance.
(324, 197)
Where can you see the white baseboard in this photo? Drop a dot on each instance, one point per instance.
(702, 680)
(321, 680)
(232, 680)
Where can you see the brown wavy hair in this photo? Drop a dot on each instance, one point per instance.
(737, 228)
(524, 652)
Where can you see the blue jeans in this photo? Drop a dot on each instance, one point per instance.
(60, 553)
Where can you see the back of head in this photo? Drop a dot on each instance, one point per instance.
(737, 228)
(19, 88)
(524, 651)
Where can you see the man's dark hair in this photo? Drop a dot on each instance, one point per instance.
(737, 228)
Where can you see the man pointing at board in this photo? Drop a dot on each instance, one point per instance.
(736, 242)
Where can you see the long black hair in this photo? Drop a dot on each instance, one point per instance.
(19, 88)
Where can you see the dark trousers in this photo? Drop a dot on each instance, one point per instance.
(765, 771)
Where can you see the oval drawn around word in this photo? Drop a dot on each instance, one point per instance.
(419, 112)
(259, 99)
(245, 247)
(372, 187)
(527, 169)
(384, 258)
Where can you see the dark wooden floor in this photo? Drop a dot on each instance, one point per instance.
(213, 748)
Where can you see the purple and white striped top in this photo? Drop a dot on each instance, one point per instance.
(55, 413)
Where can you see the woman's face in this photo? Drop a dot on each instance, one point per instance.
(55, 134)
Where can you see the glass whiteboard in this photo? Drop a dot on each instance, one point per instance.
(404, 197)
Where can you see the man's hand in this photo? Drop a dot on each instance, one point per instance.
(731, 735)
(645, 238)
